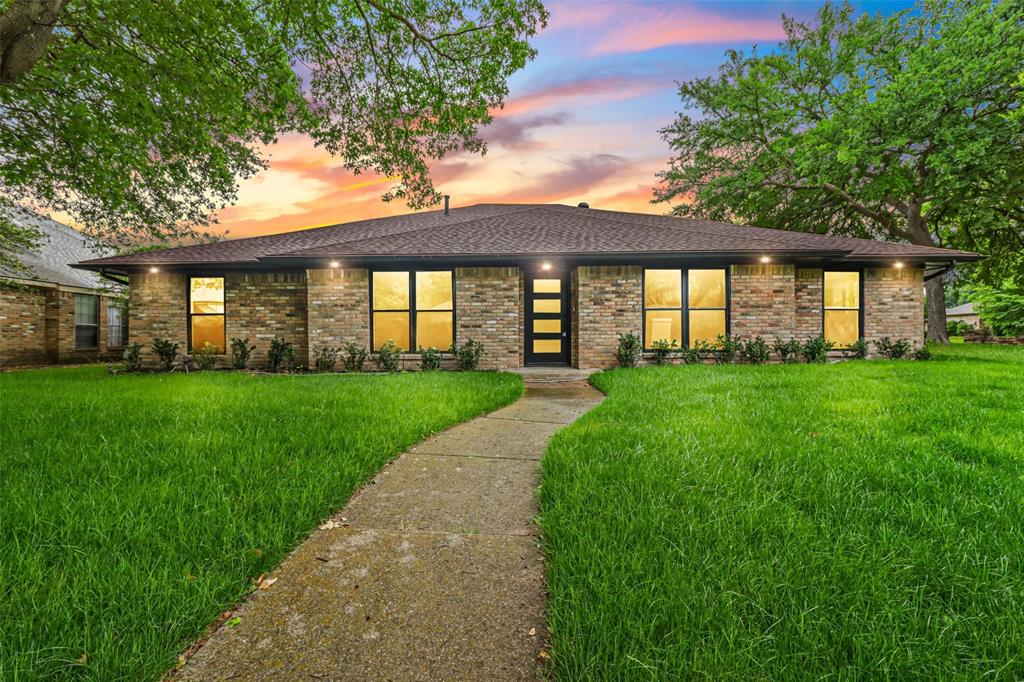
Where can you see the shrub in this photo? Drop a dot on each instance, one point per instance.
(629, 350)
(956, 327)
(355, 357)
(324, 358)
(663, 350)
(788, 351)
(816, 350)
(894, 350)
(756, 351)
(281, 355)
(705, 349)
(726, 349)
(859, 349)
(240, 352)
(166, 350)
(430, 359)
(206, 357)
(691, 355)
(921, 353)
(468, 354)
(389, 357)
(133, 357)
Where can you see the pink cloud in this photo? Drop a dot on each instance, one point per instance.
(605, 89)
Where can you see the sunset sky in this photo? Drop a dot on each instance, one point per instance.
(580, 124)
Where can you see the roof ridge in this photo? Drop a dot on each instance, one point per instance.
(527, 208)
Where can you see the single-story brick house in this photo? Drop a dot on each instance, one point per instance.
(51, 312)
(536, 284)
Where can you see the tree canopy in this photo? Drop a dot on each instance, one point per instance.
(138, 119)
(904, 127)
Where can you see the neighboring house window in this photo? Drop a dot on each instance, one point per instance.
(684, 306)
(87, 321)
(117, 331)
(413, 309)
(841, 322)
(206, 312)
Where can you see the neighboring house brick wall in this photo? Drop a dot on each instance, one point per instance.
(608, 304)
(23, 311)
(260, 306)
(156, 308)
(807, 287)
(487, 309)
(894, 304)
(338, 307)
(762, 301)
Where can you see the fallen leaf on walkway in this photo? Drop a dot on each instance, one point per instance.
(532, 632)
(543, 655)
(267, 582)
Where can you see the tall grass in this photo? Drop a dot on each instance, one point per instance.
(133, 509)
(861, 520)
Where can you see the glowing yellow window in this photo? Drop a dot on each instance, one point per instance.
(547, 326)
(663, 288)
(391, 326)
(206, 312)
(706, 325)
(547, 286)
(547, 305)
(663, 325)
(841, 298)
(547, 345)
(706, 288)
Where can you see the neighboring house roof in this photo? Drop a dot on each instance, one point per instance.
(533, 230)
(965, 309)
(60, 246)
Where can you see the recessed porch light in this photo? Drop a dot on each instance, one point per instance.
(898, 264)
(766, 259)
(335, 264)
(545, 265)
(154, 269)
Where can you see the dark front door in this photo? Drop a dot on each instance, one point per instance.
(547, 319)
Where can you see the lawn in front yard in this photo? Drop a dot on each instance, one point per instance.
(845, 521)
(134, 509)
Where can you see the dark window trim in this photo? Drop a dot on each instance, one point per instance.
(413, 341)
(189, 314)
(96, 304)
(684, 310)
(860, 301)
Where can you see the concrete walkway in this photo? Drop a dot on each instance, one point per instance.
(431, 572)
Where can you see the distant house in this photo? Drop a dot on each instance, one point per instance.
(53, 313)
(536, 284)
(964, 313)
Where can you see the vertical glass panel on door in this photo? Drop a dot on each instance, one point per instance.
(663, 288)
(706, 288)
(393, 327)
(434, 330)
(706, 325)
(842, 289)
(842, 327)
(663, 325)
(206, 295)
(547, 286)
(391, 291)
(434, 290)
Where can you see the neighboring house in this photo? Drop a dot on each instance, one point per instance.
(964, 313)
(52, 312)
(536, 284)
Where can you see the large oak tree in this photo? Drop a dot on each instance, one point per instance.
(138, 118)
(902, 127)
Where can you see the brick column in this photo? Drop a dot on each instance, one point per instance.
(894, 304)
(608, 303)
(808, 294)
(762, 301)
(487, 309)
(338, 305)
(262, 305)
(156, 308)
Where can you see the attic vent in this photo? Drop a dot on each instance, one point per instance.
(447, 197)
(583, 204)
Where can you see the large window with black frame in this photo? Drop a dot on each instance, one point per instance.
(684, 306)
(413, 309)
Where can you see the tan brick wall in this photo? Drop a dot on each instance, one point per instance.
(608, 303)
(156, 308)
(894, 304)
(23, 312)
(260, 306)
(762, 301)
(338, 305)
(807, 292)
(487, 309)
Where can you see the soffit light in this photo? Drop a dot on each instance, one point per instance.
(898, 264)
(545, 265)
(154, 269)
(335, 264)
(766, 259)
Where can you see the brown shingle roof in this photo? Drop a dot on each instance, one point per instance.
(499, 230)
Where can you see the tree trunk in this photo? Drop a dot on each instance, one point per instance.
(26, 27)
(935, 293)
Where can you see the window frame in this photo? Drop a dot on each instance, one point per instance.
(189, 314)
(96, 305)
(685, 308)
(412, 310)
(122, 327)
(860, 302)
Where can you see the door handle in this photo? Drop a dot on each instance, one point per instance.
(563, 335)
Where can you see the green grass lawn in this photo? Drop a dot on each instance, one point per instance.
(134, 509)
(851, 521)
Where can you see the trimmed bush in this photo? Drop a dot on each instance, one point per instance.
(167, 351)
(629, 350)
(468, 354)
(389, 357)
(816, 350)
(281, 355)
(206, 357)
(430, 359)
(241, 350)
(355, 357)
(325, 357)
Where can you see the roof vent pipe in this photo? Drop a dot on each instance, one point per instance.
(583, 204)
(446, 198)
